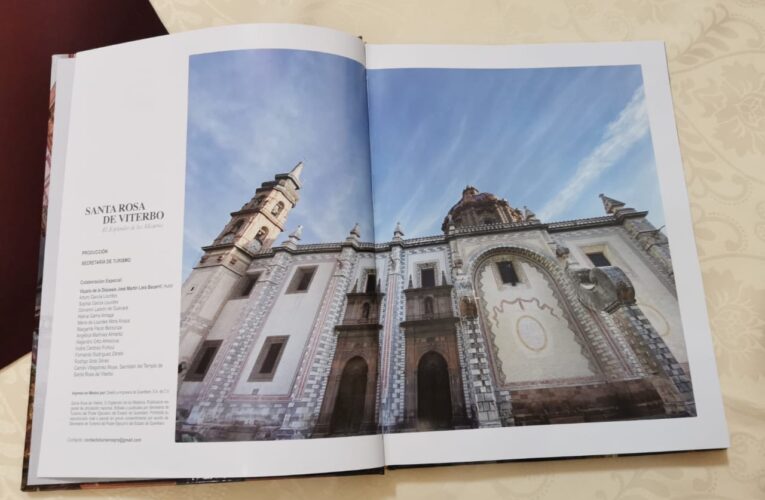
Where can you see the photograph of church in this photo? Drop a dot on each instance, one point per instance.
(501, 320)
(458, 249)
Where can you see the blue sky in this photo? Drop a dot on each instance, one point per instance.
(256, 113)
(551, 139)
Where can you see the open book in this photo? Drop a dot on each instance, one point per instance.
(274, 250)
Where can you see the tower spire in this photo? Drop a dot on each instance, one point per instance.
(297, 170)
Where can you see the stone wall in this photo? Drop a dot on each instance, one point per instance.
(587, 359)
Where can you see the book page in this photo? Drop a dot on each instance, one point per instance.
(215, 212)
(542, 296)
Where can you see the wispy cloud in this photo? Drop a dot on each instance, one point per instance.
(620, 136)
(255, 113)
(548, 138)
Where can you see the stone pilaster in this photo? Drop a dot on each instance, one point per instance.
(194, 328)
(392, 345)
(655, 245)
(487, 408)
(657, 358)
(226, 367)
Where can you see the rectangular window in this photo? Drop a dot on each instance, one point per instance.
(268, 359)
(371, 283)
(247, 282)
(203, 360)
(598, 259)
(428, 277)
(507, 273)
(301, 280)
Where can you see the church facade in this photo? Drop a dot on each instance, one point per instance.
(501, 320)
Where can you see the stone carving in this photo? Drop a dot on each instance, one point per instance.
(393, 264)
(561, 251)
(605, 288)
(468, 307)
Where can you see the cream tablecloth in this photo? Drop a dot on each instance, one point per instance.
(717, 64)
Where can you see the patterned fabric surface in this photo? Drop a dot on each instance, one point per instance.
(716, 55)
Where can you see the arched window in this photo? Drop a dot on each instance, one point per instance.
(277, 209)
(262, 233)
(429, 306)
(365, 308)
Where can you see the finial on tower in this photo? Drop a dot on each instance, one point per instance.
(614, 207)
(469, 191)
(355, 234)
(294, 237)
(528, 215)
(297, 170)
(398, 233)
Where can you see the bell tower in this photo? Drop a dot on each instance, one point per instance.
(222, 269)
(256, 225)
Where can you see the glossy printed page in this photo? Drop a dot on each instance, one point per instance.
(542, 295)
(197, 249)
(277, 235)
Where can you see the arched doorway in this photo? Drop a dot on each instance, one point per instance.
(434, 402)
(348, 413)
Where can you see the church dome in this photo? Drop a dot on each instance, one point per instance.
(476, 209)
